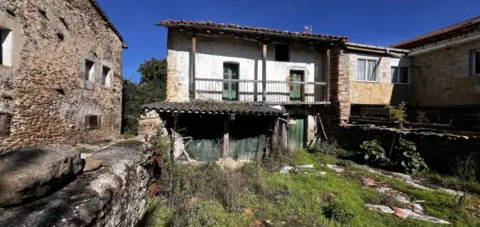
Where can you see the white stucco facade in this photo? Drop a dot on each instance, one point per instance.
(213, 51)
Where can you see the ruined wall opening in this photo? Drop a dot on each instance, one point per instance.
(6, 40)
(4, 124)
(89, 70)
(106, 77)
(93, 122)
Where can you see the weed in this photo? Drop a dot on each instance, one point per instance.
(398, 113)
(338, 212)
(408, 158)
(374, 153)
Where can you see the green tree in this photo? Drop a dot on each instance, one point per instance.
(153, 70)
(152, 88)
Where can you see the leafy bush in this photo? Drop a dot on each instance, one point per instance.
(398, 113)
(327, 148)
(338, 212)
(373, 152)
(408, 158)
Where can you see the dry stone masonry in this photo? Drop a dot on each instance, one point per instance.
(45, 95)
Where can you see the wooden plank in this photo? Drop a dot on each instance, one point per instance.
(192, 68)
(226, 137)
(264, 72)
(327, 73)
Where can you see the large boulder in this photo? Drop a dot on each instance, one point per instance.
(30, 173)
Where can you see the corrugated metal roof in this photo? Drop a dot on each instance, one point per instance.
(198, 107)
(458, 29)
(249, 30)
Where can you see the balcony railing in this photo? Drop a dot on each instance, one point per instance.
(280, 92)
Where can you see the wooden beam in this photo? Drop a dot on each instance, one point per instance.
(226, 137)
(264, 72)
(191, 80)
(328, 72)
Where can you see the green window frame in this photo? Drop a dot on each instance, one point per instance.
(230, 89)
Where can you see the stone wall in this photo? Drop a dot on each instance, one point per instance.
(114, 193)
(44, 91)
(339, 86)
(442, 151)
(444, 78)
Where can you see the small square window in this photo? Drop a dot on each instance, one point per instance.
(400, 75)
(282, 52)
(6, 47)
(106, 77)
(4, 125)
(89, 70)
(92, 122)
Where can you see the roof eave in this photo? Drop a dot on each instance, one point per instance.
(331, 39)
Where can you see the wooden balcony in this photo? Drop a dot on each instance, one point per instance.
(271, 92)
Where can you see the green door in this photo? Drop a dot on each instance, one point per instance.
(296, 90)
(295, 134)
(230, 89)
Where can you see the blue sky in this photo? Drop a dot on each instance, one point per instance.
(377, 22)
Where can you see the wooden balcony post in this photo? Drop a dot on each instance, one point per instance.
(264, 72)
(191, 79)
(327, 73)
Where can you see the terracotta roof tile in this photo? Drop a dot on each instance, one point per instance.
(459, 29)
(249, 30)
(200, 107)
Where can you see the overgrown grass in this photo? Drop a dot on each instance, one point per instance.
(210, 196)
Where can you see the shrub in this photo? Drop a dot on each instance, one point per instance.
(373, 152)
(327, 148)
(408, 158)
(338, 212)
(398, 113)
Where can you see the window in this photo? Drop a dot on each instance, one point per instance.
(367, 70)
(92, 122)
(296, 89)
(4, 125)
(400, 75)
(6, 47)
(475, 62)
(230, 88)
(106, 78)
(282, 52)
(89, 70)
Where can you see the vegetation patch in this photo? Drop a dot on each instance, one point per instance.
(259, 195)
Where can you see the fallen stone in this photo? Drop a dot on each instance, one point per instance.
(406, 213)
(92, 164)
(309, 166)
(113, 197)
(367, 181)
(31, 173)
(381, 208)
(286, 169)
(335, 168)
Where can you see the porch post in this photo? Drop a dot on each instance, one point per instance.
(327, 73)
(191, 78)
(226, 137)
(264, 72)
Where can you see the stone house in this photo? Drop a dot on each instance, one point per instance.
(60, 73)
(249, 86)
(446, 88)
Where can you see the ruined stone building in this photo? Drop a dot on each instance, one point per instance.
(60, 73)
(278, 87)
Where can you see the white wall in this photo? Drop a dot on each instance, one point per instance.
(213, 52)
